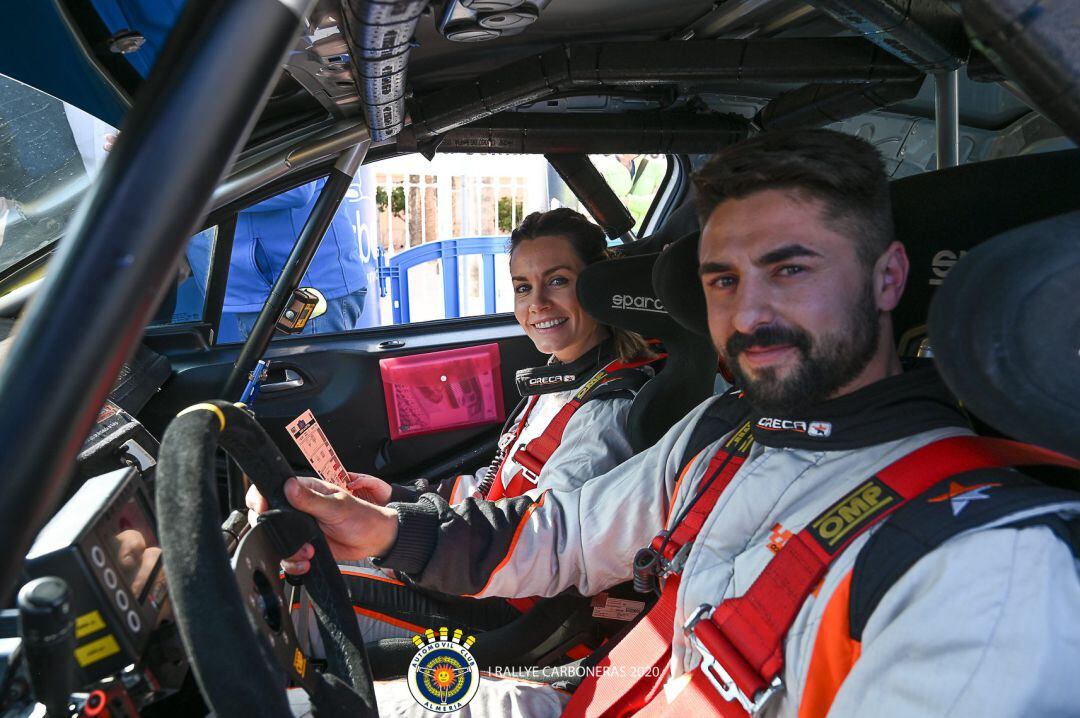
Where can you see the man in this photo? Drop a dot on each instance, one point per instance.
(800, 272)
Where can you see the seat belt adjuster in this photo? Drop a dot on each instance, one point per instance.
(720, 660)
(529, 475)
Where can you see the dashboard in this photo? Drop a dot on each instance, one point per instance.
(107, 645)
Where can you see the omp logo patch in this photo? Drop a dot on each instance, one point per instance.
(832, 527)
(817, 429)
(940, 265)
(640, 303)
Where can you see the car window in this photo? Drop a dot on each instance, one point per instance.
(185, 300)
(49, 154)
(413, 241)
(635, 179)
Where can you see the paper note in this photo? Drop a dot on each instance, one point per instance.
(309, 436)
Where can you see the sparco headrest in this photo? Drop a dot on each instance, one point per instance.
(620, 292)
(1005, 331)
(675, 277)
(941, 215)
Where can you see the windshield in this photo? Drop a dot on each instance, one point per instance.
(49, 154)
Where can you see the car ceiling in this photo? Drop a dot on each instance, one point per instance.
(104, 81)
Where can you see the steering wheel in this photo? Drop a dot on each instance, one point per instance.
(236, 623)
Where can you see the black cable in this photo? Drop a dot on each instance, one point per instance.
(693, 502)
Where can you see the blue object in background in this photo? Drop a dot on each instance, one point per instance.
(342, 269)
(153, 19)
(359, 202)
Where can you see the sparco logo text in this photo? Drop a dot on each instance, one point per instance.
(629, 301)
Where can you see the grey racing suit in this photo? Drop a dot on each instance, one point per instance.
(984, 625)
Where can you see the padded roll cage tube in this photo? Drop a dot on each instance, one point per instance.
(125, 242)
(586, 182)
(207, 600)
(1036, 45)
(817, 105)
(581, 133)
(840, 59)
(380, 35)
(322, 214)
(927, 34)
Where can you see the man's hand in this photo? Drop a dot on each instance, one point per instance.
(354, 528)
(369, 488)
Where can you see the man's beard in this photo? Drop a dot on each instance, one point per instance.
(827, 363)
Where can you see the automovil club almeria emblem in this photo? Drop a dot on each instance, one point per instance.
(443, 675)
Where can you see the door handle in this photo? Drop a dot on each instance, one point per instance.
(293, 380)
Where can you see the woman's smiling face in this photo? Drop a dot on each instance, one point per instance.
(545, 272)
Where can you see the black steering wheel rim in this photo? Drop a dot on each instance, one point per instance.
(215, 627)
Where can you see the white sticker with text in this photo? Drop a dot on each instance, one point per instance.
(619, 609)
(309, 436)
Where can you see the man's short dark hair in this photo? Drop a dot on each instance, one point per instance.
(844, 172)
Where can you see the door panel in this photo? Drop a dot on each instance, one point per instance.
(342, 386)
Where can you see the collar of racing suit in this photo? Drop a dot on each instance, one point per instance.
(556, 376)
(893, 408)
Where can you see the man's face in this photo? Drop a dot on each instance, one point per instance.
(791, 308)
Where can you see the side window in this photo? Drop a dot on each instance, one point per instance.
(442, 230)
(343, 271)
(185, 300)
(50, 153)
(413, 241)
(443, 225)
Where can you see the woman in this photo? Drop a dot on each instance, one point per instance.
(547, 253)
(569, 427)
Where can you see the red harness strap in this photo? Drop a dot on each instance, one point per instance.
(647, 648)
(741, 640)
(497, 490)
(536, 453)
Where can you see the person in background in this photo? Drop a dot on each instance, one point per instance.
(264, 238)
(634, 179)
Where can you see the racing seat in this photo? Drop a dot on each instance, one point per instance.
(990, 337)
(619, 292)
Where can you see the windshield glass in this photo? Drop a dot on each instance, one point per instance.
(49, 154)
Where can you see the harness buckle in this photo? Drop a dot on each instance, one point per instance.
(506, 439)
(530, 476)
(677, 562)
(719, 676)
